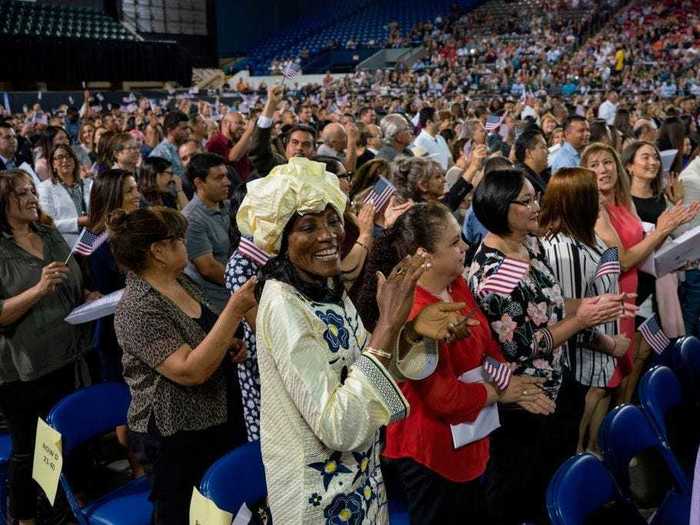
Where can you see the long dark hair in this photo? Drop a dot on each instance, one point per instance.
(8, 182)
(419, 227)
(151, 167)
(68, 151)
(107, 195)
(630, 152)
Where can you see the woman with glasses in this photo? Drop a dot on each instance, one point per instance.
(174, 351)
(65, 196)
(513, 284)
(158, 185)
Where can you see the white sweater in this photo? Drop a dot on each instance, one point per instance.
(57, 203)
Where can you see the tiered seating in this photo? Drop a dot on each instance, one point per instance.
(51, 20)
(362, 21)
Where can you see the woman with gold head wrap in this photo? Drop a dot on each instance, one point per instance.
(327, 385)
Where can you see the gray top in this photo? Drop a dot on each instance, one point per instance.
(41, 341)
(208, 232)
(149, 328)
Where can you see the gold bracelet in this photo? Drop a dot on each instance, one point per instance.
(378, 353)
(361, 244)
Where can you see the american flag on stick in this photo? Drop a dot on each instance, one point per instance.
(493, 122)
(499, 372)
(653, 334)
(290, 71)
(506, 277)
(380, 194)
(609, 264)
(250, 251)
(87, 243)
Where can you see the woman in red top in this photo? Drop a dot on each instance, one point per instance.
(441, 481)
(619, 225)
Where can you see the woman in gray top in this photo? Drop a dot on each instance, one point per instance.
(38, 349)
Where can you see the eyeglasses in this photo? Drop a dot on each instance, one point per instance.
(529, 203)
(131, 146)
(61, 158)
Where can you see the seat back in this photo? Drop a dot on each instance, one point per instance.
(236, 478)
(625, 433)
(690, 356)
(581, 486)
(659, 392)
(90, 412)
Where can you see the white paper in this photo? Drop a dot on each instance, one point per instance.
(667, 157)
(102, 307)
(486, 422)
(673, 254)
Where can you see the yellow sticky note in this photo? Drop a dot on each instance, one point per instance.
(48, 459)
(204, 511)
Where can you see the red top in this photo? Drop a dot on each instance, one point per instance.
(220, 145)
(629, 229)
(442, 400)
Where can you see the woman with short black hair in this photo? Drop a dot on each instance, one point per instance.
(511, 279)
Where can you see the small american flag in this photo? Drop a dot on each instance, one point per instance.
(609, 264)
(499, 372)
(505, 278)
(250, 251)
(493, 122)
(87, 243)
(291, 71)
(380, 194)
(653, 334)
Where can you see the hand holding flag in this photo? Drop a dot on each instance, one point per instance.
(87, 243)
(380, 194)
(290, 71)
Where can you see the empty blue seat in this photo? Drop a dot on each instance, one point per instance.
(625, 433)
(659, 392)
(83, 415)
(581, 486)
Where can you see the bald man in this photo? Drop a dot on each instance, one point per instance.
(341, 143)
(232, 142)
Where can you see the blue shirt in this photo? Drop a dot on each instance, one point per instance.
(472, 229)
(168, 151)
(565, 157)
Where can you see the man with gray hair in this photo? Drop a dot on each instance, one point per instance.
(398, 134)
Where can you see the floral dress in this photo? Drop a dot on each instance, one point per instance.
(238, 271)
(518, 319)
(323, 404)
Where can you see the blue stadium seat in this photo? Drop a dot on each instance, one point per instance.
(5, 452)
(239, 477)
(236, 478)
(625, 433)
(690, 357)
(581, 486)
(659, 392)
(83, 415)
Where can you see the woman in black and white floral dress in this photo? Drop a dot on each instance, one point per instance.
(522, 300)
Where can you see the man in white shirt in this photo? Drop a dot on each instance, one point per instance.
(608, 109)
(430, 141)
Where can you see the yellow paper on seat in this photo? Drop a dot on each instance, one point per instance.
(204, 511)
(48, 459)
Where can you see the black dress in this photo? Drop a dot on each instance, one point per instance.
(649, 209)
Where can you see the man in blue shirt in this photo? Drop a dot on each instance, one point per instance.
(576, 136)
(177, 131)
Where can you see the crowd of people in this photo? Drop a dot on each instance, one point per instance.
(333, 270)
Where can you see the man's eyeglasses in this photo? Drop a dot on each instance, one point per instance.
(530, 203)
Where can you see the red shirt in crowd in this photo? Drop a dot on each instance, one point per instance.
(442, 400)
(220, 145)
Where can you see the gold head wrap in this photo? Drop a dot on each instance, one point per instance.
(301, 186)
